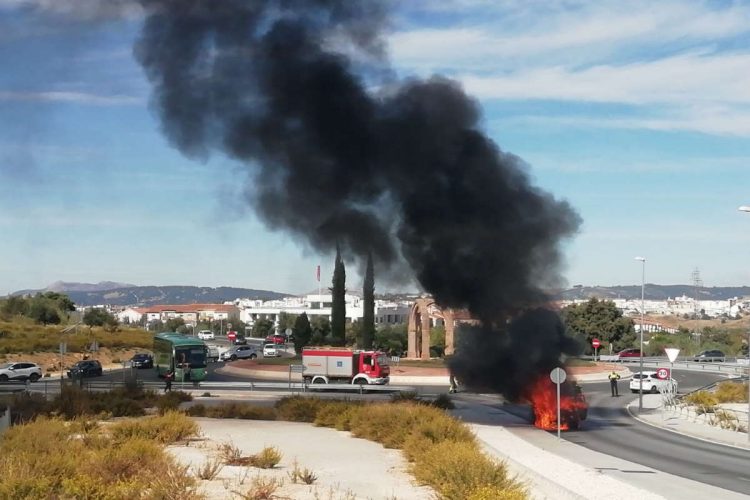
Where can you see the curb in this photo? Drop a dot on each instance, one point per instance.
(634, 415)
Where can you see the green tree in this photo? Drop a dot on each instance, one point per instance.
(61, 301)
(97, 316)
(391, 339)
(302, 332)
(321, 329)
(599, 319)
(338, 301)
(172, 324)
(368, 314)
(262, 328)
(287, 321)
(42, 311)
(15, 305)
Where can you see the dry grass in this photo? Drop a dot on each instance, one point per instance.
(51, 458)
(262, 488)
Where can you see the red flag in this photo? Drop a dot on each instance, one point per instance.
(318, 274)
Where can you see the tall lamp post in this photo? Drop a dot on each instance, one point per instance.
(640, 378)
(746, 208)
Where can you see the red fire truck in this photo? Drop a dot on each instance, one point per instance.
(336, 365)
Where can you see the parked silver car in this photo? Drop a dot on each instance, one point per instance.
(240, 352)
(20, 371)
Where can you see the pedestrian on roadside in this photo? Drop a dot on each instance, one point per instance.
(168, 381)
(453, 384)
(613, 378)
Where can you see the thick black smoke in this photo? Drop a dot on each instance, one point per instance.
(341, 153)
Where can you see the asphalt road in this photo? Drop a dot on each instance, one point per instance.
(611, 430)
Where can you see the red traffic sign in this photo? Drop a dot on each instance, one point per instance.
(662, 373)
(231, 335)
(595, 343)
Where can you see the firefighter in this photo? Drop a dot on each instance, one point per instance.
(613, 378)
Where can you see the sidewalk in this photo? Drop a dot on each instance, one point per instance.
(699, 428)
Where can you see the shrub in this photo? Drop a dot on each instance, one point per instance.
(171, 401)
(268, 458)
(261, 489)
(209, 470)
(703, 400)
(731, 392)
(298, 408)
(50, 458)
(168, 428)
(454, 469)
(443, 401)
(299, 475)
(231, 454)
(337, 414)
(233, 410)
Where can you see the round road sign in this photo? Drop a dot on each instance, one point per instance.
(662, 373)
(595, 343)
(558, 375)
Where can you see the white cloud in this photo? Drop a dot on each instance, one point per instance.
(683, 79)
(72, 97)
(579, 34)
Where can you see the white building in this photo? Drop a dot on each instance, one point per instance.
(319, 305)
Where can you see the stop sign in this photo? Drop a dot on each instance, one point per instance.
(595, 343)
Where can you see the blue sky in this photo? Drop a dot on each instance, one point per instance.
(634, 112)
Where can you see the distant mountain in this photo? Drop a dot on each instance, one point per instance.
(131, 295)
(65, 286)
(654, 292)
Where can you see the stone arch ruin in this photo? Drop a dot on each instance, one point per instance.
(422, 312)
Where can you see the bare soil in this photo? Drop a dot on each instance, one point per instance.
(50, 361)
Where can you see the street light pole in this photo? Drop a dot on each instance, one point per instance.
(746, 208)
(640, 378)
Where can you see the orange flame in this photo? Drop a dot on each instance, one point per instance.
(542, 395)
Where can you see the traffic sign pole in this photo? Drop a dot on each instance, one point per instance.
(558, 376)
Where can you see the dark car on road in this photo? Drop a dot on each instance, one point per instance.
(142, 360)
(713, 355)
(240, 340)
(87, 368)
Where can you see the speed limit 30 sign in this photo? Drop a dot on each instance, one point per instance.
(662, 373)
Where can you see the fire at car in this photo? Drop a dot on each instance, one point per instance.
(542, 395)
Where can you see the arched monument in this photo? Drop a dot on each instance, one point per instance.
(420, 321)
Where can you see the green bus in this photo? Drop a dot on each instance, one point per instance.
(185, 356)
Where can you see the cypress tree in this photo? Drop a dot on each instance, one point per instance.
(368, 315)
(338, 302)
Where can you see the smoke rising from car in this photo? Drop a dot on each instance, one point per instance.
(340, 151)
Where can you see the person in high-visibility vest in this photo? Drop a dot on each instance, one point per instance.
(613, 378)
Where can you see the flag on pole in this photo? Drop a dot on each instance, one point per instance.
(318, 273)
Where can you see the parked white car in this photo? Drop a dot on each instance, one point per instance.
(206, 335)
(271, 351)
(20, 371)
(651, 383)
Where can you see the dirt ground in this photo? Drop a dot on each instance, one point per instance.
(50, 361)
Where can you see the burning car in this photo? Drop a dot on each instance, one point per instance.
(542, 396)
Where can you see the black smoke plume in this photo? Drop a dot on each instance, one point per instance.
(341, 152)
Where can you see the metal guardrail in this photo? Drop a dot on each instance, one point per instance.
(104, 385)
(736, 368)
